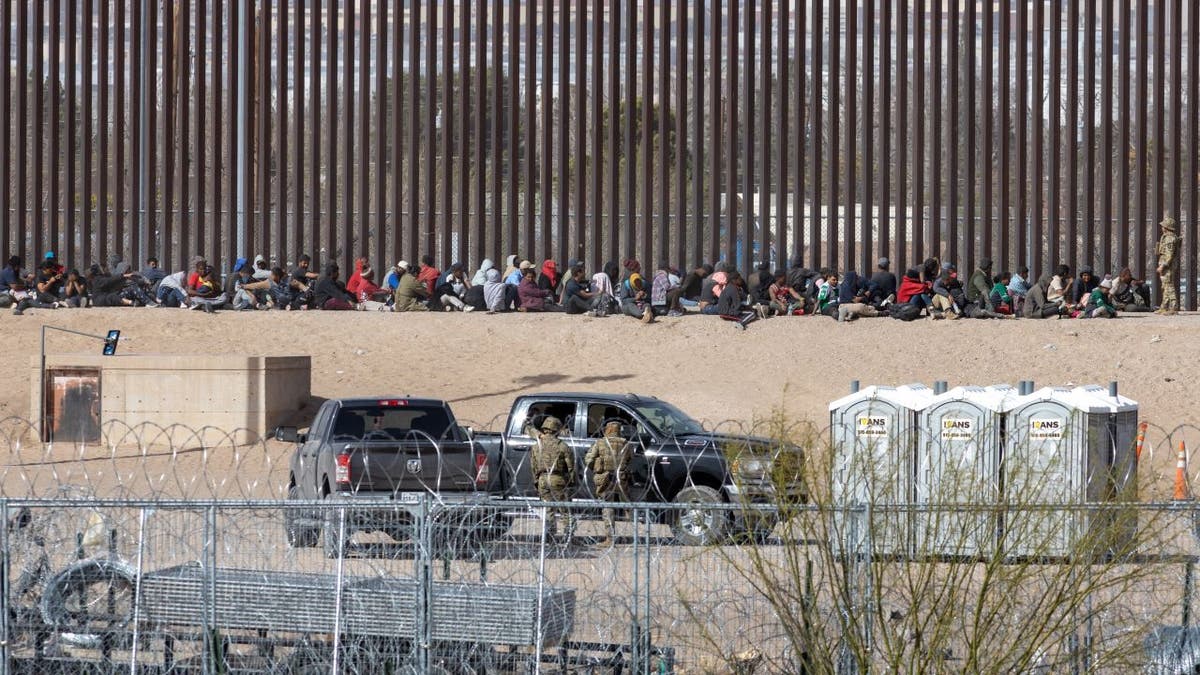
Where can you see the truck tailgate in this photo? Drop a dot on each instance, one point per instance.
(411, 466)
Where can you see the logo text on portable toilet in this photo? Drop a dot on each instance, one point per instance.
(957, 428)
(1046, 428)
(871, 427)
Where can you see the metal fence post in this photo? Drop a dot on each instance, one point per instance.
(4, 590)
(424, 633)
(211, 652)
(335, 666)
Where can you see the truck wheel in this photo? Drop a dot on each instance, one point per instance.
(334, 546)
(298, 536)
(699, 526)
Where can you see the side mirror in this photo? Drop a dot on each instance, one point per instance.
(469, 432)
(287, 434)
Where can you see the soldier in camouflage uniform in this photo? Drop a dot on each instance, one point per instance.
(608, 460)
(553, 467)
(1168, 261)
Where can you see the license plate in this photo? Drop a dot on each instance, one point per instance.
(411, 497)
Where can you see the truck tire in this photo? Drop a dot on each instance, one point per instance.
(298, 536)
(699, 526)
(334, 545)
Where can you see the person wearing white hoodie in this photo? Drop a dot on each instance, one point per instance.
(480, 277)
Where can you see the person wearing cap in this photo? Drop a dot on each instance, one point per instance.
(1098, 305)
(553, 466)
(608, 460)
(881, 288)
(948, 299)
(53, 261)
(1167, 251)
(514, 277)
(411, 294)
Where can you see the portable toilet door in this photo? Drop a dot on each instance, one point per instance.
(873, 465)
(957, 482)
(1043, 470)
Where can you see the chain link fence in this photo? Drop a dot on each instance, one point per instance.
(136, 555)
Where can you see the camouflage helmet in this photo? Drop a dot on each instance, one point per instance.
(551, 424)
(1168, 223)
(612, 428)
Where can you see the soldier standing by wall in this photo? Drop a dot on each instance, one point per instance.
(553, 467)
(608, 459)
(1168, 261)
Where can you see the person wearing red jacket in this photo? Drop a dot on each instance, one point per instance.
(428, 275)
(913, 290)
(354, 283)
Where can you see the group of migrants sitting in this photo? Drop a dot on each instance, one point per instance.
(934, 289)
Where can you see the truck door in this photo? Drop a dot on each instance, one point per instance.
(521, 439)
(638, 471)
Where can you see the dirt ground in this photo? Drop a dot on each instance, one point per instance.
(792, 365)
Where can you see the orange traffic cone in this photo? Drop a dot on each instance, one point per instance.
(1181, 486)
(1141, 441)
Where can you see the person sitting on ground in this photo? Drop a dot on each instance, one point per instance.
(512, 265)
(172, 290)
(852, 288)
(1000, 298)
(660, 289)
(247, 292)
(1097, 305)
(634, 299)
(577, 294)
(687, 294)
(550, 280)
(480, 277)
(232, 278)
(369, 292)
(355, 279)
(428, 276)
(1018, 288)
(948, 299)
(710, 289)
(495, 293)
(760, 294)
(10, 276)
(302, 273)
(1036, 306)
(207, 295)
(262, 270)
(49, 286)
(827, 294)
(411, 295)
(978, 290)
(730, 303)
(1081, 289)
(151, 275)
(514, 277)
(1129, 294)
(850, 311)
(452, 288)
(784, 299)
(755, 279)
(286, 292)
(75, 290)
(881, 288)
(329, 293)
(532, 298)
(604, 299)
(913, 291)
(1056, 292)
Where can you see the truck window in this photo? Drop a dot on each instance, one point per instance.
(600, 414)
(378, 422)
(539, 410)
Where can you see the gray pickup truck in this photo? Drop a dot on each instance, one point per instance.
(379, 454)
(675, 461)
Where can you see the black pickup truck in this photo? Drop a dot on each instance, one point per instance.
(379, 454)
(675, 460)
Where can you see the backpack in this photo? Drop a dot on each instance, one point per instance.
(905, 312)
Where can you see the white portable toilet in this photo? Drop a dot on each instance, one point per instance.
(873, 433)
(957, 472)
(1066, 449)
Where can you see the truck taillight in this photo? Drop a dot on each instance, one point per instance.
(481, 469)
(341, 474)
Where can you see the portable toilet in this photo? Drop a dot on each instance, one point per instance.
(957, 472)
(1066, 449)
(873, 433)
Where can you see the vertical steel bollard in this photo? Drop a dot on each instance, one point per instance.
(211, 651)
(4, 590)
(424, 632)
(338, 589)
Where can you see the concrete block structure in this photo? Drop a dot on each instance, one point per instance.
(194, 399)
